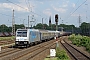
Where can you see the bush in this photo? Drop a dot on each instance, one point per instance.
(80, 41)
(61, 54)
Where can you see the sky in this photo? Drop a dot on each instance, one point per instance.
(68, 11)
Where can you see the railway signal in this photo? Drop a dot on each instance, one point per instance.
(56, 18)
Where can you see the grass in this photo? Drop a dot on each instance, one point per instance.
(60, 55)
(7, 38)
(50, 58)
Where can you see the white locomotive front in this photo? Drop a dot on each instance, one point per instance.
(21, 37)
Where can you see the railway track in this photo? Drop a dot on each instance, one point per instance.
(4, 42)
(27, 53)
(31, 55)
(8, 51)
(74, 52)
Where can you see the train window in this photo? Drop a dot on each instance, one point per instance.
(22, 30)
(22, 34)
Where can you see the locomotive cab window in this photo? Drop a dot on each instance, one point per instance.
(21, 34)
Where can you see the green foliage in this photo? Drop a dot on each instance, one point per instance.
(80, 41)
(61, 54)
(4, 28)
(53, 26)
(7, 38)
(71, 37)
(67, 27)
(85, 28)
(55, 58)
(38, 26)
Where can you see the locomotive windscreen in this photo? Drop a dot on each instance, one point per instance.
(22, 34)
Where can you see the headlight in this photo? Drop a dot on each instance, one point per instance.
(25, 42)
(16, 42)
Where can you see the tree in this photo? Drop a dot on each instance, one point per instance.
(4, 28)
(38, 26)
(19, 26)
(53, 27)
(85, 28)
(45, 26)
(68, 28)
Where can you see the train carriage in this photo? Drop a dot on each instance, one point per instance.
(52, 34)
(44, 35)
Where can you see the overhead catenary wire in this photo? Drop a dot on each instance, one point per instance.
(24, 8)
(29, 6)
(9, 15)
(79, 7)
(76, 9)
(17, 5)
(27, 3)
(72, 10)
(5, 14)
(20, 7)
(75, 4)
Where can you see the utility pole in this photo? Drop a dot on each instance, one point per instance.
(23, 23)
(86, 10)
(79, 23)
(32, 21)
(79, 20)
(13, 24)
(28, 21)
(87, 29)
(42, 24)
(62, 21)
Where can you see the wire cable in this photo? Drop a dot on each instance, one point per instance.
(79, 7)
(25, 8)
(17, 5)
(76, 9)
(5, 14)
(75, 4)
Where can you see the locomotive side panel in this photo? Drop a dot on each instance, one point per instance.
(34, 36)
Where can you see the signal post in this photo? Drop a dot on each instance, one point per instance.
(53, 51)
(56, 20)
